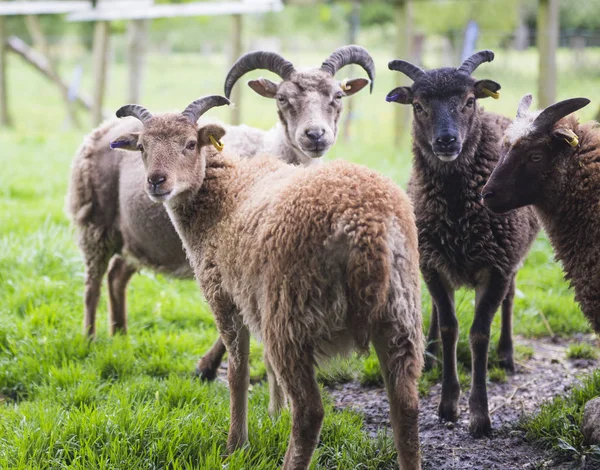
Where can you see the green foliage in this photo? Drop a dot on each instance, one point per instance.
(523, 353)
(497, 374)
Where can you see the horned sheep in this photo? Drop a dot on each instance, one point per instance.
(552, 163)
(121, 230)
(455, 148)
(313, 260)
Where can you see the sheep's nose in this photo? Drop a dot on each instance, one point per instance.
(488, 194)
(446, 139)
(315, 134)
(156, 180)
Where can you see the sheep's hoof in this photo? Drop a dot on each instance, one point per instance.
(448, 411)
(206, 374)
(480, 425)
(508, 364)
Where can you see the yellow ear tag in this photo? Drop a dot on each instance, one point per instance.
(490, 93)
(216, 144)
(344, 85)
(573, 141)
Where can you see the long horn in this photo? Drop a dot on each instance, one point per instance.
(524, 105)
(347, 55)
(470, 64)
(257, 60)
(200, 106)
(549, 116)
(134, 110)
(410, 70)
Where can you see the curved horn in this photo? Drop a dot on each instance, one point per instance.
(134, 110)
(524, 105)
(347, 55)
(470, 64)
(410, 70)
(549, 116)
(197, 108)
(257, 60)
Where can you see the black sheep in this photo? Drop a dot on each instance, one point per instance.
(456, 146)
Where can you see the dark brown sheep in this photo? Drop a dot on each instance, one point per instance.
(552, 163)
(455, 147)
(315, 261)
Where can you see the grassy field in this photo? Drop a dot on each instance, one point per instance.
(131, 402)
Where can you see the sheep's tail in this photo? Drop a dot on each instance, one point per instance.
(384, 290)
(80, 196)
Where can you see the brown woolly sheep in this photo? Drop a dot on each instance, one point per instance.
(313, 260)
(121, 230)
(461, 243)
(551, 162)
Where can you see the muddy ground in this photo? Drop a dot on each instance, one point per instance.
(449, 446)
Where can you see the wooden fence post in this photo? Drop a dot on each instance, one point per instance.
(137, 39)
(236, 52)
(4, 114)
(101, 34)
(403, 49)
(547, 40)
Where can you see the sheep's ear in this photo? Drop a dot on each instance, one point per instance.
(127, 141)
(487, 88)
(353, 85)
(211, 130)
(264, 87)
(567, 135)
(402, 95)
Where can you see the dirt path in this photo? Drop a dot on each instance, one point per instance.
(445, 446)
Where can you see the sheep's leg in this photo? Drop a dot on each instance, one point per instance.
(488, 297)
(300, 384)
(207, 366)
(505, 344)
(276, 397)
(443, 297)
(237, 340)
(401, 384)
(433, 340)
(96, 253)
(119, 274)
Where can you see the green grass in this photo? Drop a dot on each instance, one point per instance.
(582, 351)
(130, 402)
(557, 426)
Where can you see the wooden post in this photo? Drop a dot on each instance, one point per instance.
(4, 115)
(236, 52)
(39, 39)
(137, 38)
(354, 23)
(402, 51)
(101, 33)
(547, 40)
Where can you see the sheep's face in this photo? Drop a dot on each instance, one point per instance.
(444, 103)
(170, 149)
(309, 106)
(524, 165)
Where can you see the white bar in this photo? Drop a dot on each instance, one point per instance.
(41, 8)
(109, 12)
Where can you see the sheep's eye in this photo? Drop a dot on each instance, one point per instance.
(140, 147)
(281, 99)
(417, 107)
(191, 145)
(338, 96)
(536, 157)
(470, 102)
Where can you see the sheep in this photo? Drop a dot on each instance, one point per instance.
(117, 224)
(455, 148)
(313, 260)
(551, 162)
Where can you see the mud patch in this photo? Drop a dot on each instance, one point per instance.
(449, 445)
